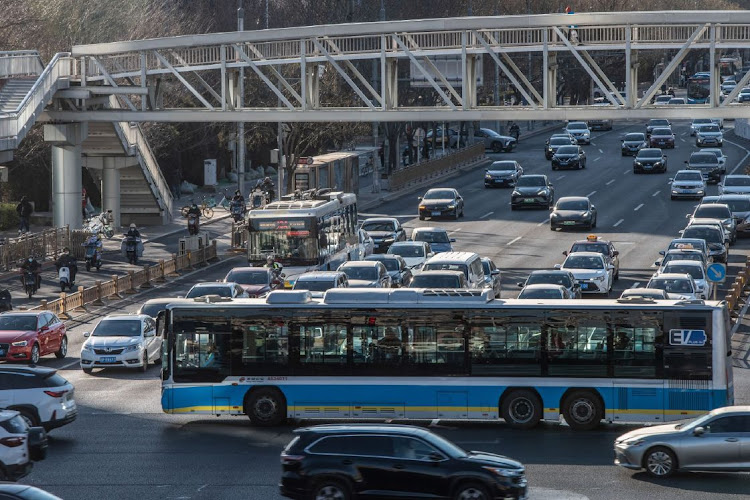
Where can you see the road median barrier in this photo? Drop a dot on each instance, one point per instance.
(423, 171)
(736, 290)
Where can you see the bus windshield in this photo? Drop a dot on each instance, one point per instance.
(698, 90)
(292, 241)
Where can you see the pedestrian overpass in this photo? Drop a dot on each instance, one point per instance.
(364, 72)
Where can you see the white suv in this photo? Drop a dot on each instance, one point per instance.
(19, 446)
(579, 131)
(41, 395)
(128, 341)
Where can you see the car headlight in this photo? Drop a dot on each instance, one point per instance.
(20, 343)
(488, 176)
(452, 206)
(599, 278)
(553, 215)
(542, 192)
(88, 347)
(657, 163)
(499, 471)
(638, 164)
(635, 442)
(422, 207)
(516, 193)
(131, 348)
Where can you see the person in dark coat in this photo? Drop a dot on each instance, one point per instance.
(24, 209)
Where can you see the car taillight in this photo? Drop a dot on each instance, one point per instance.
(291, 459)
(12, 442)
(55, 394)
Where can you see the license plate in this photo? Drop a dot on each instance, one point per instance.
(435, 214)
(584, 286)
(569, 223)
(528, 200)
(2, 353)
(685, 191)
(108, 359)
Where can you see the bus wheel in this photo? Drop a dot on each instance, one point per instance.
(521, 409)
(582, 410)
(265, 407)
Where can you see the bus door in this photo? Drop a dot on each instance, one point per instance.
(687, 364)
(634, 347)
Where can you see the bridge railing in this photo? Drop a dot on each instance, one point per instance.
(20, 62)
(70, 303)
(420, 172)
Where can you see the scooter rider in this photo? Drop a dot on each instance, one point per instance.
(238, 198)
(95, 240)
(133, 231)
(275, 266)
(32, 265)
(67, 260)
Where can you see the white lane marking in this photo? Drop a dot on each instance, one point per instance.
(592, 193)
(199, 489)
(656, 194)
(638, 207)
(610, 182)
(543, 222)
(455, 230)
(747, 153)
(68, 365)
(683, 140)
(486, 215)
(618, 222)
(600, 150)
(512, 241)
(627, 171)
(597, 158)
(561, 177)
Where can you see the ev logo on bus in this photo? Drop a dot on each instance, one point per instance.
(687, 337)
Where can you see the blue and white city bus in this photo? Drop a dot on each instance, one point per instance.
(316, 232)
(445, 354)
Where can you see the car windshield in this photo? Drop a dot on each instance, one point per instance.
(572, 205)
(202, 291)
(583, 262)
(585, 246)
(682, 256)
(710, 128)
(152, 309)
(703, 159)
(559, 141)
(715, 152)
(699, 121)
(503, 166)
(117, 328)
(540, 293)
(688, 176)
(378, 226)
(677, 100)
(390, 264)
(432, 236)
(671, 285)
(361, 273)
(705, 212)
(567, 150)
(649, 153)
(14, 322)
(531, 181)
(739, 180)
(662, 131)
(738, 205)
(635, 137)
(407, 250)
(446, 266)
(439, 194)
(659, 123)
(550, 278)
(710, 234)
(313, 285)
(696, 272)
(435, 281)
(577, 126)
(256, 277)
(687, 245)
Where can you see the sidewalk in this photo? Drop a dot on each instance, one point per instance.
(367, 199)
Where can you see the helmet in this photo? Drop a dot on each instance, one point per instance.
(66, 250)
(132, 226)
(237, 192)
(267, 179)
(194, 205)
(269, 259)
(31, 259)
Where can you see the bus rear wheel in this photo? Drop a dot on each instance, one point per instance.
(521, 409)
(265, 407)
(582, 410)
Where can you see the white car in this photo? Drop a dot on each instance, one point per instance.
(229, 289)
(590, 271)
(709, 135)
(42, 396)
(677, 286)
(695, 270)
(699, 122)
(580, 131)
(128, 341)
(414, 253)
(735, 184)
(687, 184)
(20, 446)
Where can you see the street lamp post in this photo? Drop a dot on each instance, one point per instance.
(240, 104)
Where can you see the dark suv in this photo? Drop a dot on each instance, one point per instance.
(344, 461)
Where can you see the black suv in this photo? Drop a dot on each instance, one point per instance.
(344, 461)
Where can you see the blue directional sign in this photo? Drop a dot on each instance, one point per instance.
(716, 272)
(687, 337)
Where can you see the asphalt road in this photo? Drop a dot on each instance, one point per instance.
(123, 447)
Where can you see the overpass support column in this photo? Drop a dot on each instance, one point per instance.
(391, 84)
(312, 86)
(550, 81)
(111, 189)
(67, 185)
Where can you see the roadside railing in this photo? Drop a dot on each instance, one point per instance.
(239, 237)
(736, 290)
(43, 245)
(130, 283)
(420, 172)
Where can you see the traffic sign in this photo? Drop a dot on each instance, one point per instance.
(716, 272)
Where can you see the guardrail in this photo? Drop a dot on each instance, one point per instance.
(734, 294)
(128, 284)
(42, 245)
(420, 172)
(239, 237)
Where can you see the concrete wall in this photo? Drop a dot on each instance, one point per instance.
(742, 127)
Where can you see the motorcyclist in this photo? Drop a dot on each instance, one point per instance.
(238, 198)
(133, 231)
(268, 186)
(95, 240)
(275, 266)
(32, 265)
(67, 260)
(515, 130)
(194, 211)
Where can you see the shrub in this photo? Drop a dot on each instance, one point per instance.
(8, 216)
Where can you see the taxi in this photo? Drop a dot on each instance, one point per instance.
(594, 243)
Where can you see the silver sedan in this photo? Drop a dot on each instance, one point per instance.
(718, 441)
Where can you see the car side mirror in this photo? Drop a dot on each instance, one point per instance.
(565, 252)
(86, 334)
(699, 431)
(495, 272)
(657, 263)
(419, 198)
(662, 252)
(44, 328)
(150, 333)
(558, 266)
(687, 216)
(436, 457)
(519, 284)
(686, 162)
(616, 253)
(593, 207)
(452, 240)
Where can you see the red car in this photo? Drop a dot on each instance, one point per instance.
(29, 336)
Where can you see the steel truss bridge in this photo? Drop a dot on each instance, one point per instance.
(298, 68)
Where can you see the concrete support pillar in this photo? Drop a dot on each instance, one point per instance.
(391, 84)
(312, 86)
(67, 186)
(470, 81)
(111, 189)
(551, 81)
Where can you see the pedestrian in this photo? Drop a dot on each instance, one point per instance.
(24, 209)
(515, 130)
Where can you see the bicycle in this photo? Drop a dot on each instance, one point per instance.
(226, 201)
(206, 205)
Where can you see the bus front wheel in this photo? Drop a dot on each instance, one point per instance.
(265, 407)
(521, 409)
(582, 410)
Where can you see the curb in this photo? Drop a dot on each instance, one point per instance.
(369, 205)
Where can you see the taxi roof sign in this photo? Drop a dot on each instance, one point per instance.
(592, 237)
